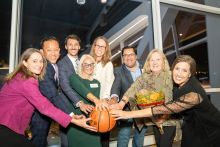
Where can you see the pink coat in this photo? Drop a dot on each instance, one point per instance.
(18, 100)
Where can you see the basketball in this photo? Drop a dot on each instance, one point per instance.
(102, 120)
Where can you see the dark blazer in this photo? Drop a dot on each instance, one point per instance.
(66, 69)
(48, 86)
(40, 123)
(123, 80)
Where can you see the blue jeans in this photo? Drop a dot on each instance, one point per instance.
(124, 133)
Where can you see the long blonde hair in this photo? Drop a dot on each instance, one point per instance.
(85, 56)
(20, 68)
(106, 57)
(166, 66)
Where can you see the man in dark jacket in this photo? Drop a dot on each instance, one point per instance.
(49, 87)
(125, 75)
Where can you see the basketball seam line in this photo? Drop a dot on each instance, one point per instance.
(99, 119)
(108, 121)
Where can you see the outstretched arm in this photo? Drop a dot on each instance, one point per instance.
(81, 120)
(183, 103)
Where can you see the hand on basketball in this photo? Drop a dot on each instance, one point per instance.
(102, 120)
(82, 122)
(86, 108)
(101, 105)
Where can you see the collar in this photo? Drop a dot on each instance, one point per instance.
(72, 59)
(137, 66)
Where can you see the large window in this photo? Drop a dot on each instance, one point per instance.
(186, 34)
(5, 17)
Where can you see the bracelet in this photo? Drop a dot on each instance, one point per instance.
(123, 100)
(71, 114)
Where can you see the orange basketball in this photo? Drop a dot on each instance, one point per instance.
(102, 120)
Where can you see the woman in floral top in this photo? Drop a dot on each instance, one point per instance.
(157, 78)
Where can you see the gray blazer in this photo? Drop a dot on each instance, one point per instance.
(66, 69)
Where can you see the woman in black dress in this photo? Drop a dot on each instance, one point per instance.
(201, 120)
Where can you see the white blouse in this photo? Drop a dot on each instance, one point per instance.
(105, 75)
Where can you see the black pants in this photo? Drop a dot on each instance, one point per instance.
(166, 139)
(9, 138)
(105, 139)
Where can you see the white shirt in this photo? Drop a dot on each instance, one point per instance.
(74, 61)
(56, 75)
(106, 77)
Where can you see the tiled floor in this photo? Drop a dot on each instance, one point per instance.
(54, 139)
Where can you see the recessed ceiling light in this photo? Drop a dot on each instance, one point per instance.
(81, 2)
(103, 1)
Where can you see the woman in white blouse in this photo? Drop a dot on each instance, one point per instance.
(103, 73)
(104, 68)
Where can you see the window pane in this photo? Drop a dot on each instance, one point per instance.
(190, 27)
(5, 29)
(116, 56)
(204, 2)
(189, 37)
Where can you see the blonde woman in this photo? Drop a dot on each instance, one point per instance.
(103, 73)
(101, 52)
(156, 77)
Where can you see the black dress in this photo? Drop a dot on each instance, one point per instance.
(201, 120)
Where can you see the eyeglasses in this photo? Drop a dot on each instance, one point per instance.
(99, 46)
(86, 65)
(129, 55)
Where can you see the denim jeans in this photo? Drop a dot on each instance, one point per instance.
(125, 128)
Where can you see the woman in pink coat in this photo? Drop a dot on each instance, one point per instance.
(20, 96)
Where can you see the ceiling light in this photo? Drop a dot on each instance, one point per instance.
(103, 1)
(81, 2)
